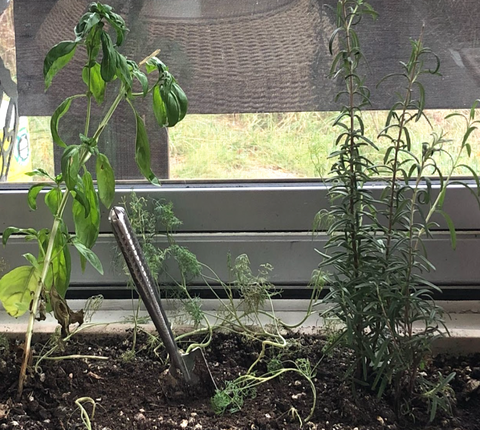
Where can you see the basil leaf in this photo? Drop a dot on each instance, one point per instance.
(59, 112)
(79, 195)
(32, 195)
(29, 232)
(61, 263)
(159, 108)
(52, 200)
(182, 99)
(70, 164)
(123, 71)
(85, 24)
(89, 255)
(142, 151)
(155, 64)
(173, 109)
(105, 180)
(92, 77)
(87, 224)
(40, 172)
(32, 260)
(57, 58)
(118, 23)
(93, 43)
(109, 60)
(140, 76)
(16, 289)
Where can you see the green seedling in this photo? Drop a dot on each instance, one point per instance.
(86, 418)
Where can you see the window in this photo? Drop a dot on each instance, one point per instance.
(255, 74)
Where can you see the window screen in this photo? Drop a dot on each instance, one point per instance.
(255, 73)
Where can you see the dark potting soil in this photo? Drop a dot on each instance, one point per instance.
(132, 394)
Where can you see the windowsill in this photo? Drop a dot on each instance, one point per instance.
(114, 318)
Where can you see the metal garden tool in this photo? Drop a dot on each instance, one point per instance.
(192, 368)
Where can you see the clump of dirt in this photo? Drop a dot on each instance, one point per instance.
(131, 394)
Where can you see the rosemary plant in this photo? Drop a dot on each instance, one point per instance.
(375, 250)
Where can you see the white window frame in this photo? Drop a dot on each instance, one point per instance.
(270, 221)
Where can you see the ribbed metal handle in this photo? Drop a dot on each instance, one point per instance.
(143, 279)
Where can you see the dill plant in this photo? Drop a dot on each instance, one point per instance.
(145, 216)
(375, 259)
(252, 315)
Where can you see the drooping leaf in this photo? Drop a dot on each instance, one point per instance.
(62, 312)
(52, 200)
(105, 180)
(87, 224)
(173, 109)
(153, 64)
(140, 76)
(61, 262)
(57, 58)
(32, 195)
(169, 100)
(109, 60)
(89, 255)
(159, 109)
(118, 23)
(123, 71)
(80, 196)
(142, 151)
(182, 100)
(16, 288)
(8, 232)
(174, 101)
(15, 230)
(97, 85)
(93, 43)
(115, 20)
(59, 112)
(70, 164)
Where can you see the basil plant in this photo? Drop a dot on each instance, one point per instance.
(40, 286)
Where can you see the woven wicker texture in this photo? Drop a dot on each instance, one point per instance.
(241, 57)
(249, 55)
(247, 61)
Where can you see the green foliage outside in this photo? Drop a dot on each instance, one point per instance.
(288, 145)
(276, 145)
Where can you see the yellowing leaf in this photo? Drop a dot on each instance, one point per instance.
(16, 289)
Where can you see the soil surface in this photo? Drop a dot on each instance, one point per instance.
(133, 394)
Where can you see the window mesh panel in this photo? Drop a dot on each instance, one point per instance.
(235, 56)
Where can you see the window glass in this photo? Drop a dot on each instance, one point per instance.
(290, 144)
(255, 73)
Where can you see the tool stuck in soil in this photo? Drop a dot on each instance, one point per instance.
(191, 369)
